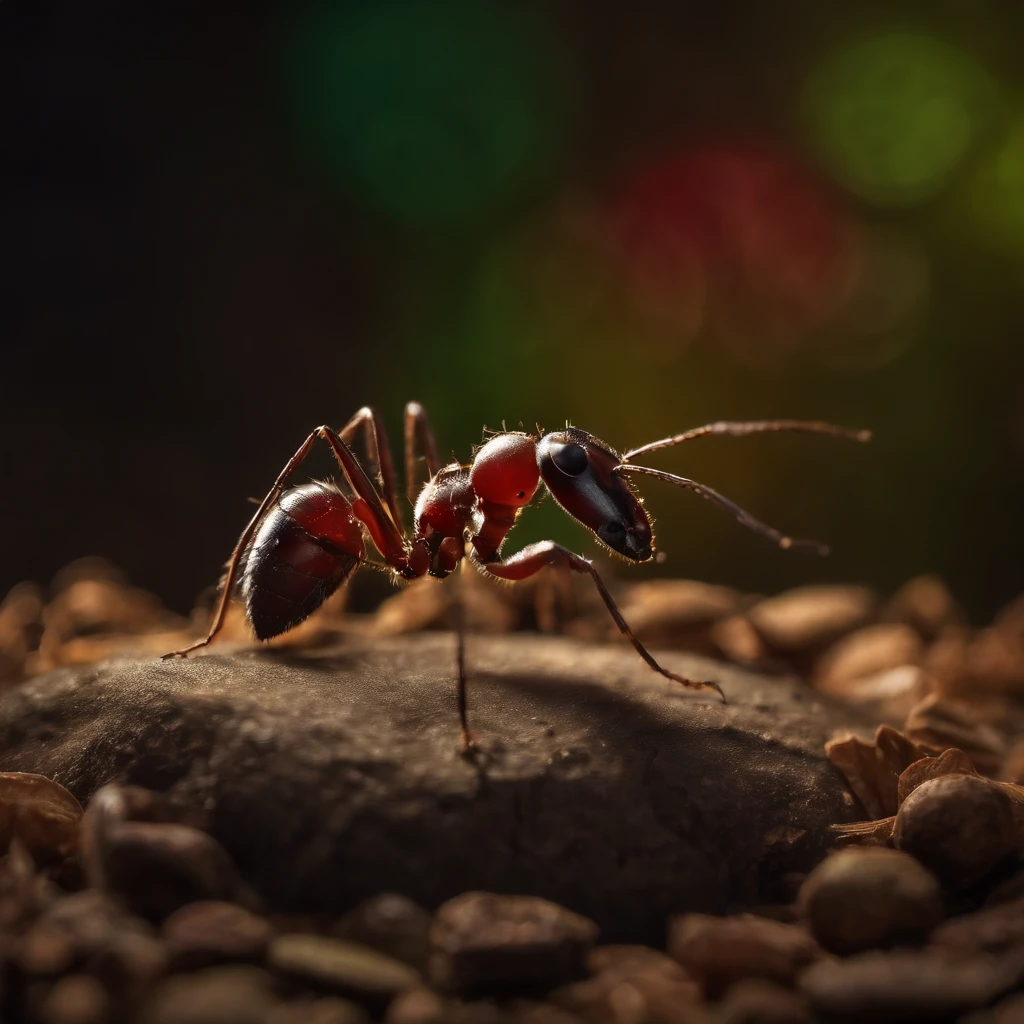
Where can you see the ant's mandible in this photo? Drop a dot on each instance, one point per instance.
(303, 543)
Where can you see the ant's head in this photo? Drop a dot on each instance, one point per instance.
(579, 471)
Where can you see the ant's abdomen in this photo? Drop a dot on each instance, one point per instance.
(307, 545)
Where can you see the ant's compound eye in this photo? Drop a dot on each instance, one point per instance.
(570, 458)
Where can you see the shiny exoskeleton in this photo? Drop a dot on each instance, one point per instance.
(303, 543)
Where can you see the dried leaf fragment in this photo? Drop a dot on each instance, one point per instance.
(39, 812)
(872, 770)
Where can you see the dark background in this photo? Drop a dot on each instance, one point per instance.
(223, 224)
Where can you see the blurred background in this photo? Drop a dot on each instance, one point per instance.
(223, 224)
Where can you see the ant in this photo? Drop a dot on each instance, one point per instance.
(304, 542)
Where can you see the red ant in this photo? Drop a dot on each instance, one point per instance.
(305, 542)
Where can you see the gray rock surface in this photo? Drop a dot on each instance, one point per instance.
(333, 775)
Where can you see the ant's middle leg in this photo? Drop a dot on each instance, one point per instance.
(539, 556)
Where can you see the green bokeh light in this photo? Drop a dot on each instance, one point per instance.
(894, 115)
(430, 112)
(999, 192)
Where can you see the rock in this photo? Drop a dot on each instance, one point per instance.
(483, 943)
(720, 951)
(341, 966)
(332, 774)
(216, 995)
(959, 826)
(905, 985)
(390, 923)
(208, 932)
(40, 813)
(811, 617)
(859, 899)
(755, 1001)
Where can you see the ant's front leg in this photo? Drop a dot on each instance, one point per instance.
(535, 557)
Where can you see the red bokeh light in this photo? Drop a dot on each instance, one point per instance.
(748, 231)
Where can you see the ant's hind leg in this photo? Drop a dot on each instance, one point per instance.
(539, 556)
(379, 451)
(231, 575)
(419, 437)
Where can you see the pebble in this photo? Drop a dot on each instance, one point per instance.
(809, 617)
(216, 995)
(483, 942)
(329, 1010)
(736, 638)
(991, 930)
(75, 999)
(390, 923)
(416, 1006)
(153, 866)
(1009, 1011)
(720, 951)
(211, 931)
(860, 899)
(677, 612)
(958, 826)
(756, 1001)
(866, 652)
(905, 985)
(346, 967)
(924, 602)
(629, 984)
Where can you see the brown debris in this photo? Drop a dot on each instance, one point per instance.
(41, 814)
(756, 1001)
(993, 930)
(346, 967)
(905, 985)
(632, 983)
(811, 617)
(154, 866)
(862, 899)
(959, 826)
(872, 770)
(867, 652)
(719, 951)
(390, 923)
(938, 723)
(678, 613)
(925, 603)
(208, 932)
(483, 942)
(21, 626)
